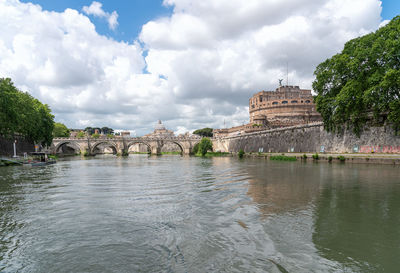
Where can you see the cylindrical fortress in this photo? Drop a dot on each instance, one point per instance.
(287, 105)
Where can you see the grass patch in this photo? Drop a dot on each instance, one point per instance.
(139, 153)
(53, 156)
(212, 154)
(283, 158)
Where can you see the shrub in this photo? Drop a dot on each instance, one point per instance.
(315, 156)
(86, 153)
(283, 158)
(125, 153)
(241, 153)
(304, 156)
(341, 158)
(195, 149)
(110, 136)
(330, 158)
(95, 136)
(80, 134)
(205, 145)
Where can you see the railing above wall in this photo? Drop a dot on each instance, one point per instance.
(308, 125)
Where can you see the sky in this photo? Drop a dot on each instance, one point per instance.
(190, 63)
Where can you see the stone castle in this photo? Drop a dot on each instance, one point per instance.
(286, 106)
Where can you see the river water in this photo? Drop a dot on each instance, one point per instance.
(189, 214)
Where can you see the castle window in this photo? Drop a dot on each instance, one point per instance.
(301, 101)
(307, 101)
(252, 106)
(260, 99)
(284, 102)
(275, 102)
(293, 101)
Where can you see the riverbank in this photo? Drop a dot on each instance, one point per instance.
(388, 159)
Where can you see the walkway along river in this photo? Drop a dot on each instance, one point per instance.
(190, 214)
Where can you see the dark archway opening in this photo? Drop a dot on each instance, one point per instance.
(139, 148)
(67, 149)
(172, 148)
(104, 148)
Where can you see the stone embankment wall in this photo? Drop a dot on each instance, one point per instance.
(6, 147)
(312, 138)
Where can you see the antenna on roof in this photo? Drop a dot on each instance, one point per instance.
(287, 73)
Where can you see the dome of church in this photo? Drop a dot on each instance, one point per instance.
(159, 126)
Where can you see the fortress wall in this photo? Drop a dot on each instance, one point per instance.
(309, 138)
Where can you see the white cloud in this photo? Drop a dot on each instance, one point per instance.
(96, 9)
(202, 63)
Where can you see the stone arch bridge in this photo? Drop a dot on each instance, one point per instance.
(122, 144)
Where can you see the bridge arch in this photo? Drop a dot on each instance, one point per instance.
(110, 144)
(72, 144)
(180, 145)
(149, 148)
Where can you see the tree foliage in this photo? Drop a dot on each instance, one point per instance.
(205, 145)
(205, 132)
(362, 82)
(21, 114)
(60, 130)
(195, 149)
(103, 130)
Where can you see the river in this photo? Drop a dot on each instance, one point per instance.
(190, 214)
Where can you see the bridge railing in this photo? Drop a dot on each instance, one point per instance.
(129, 138)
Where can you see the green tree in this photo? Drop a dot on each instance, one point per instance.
(80, 134)
(23, 115)
(107, 131)
(205, 132)
(195, 149)
(60, 130)
(362, 82)
(205, 145)
(95, 136)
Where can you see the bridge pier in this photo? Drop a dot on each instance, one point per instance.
(155, 150)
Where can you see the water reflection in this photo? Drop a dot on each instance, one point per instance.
(279, 187)
(357, 218)
(185, 214)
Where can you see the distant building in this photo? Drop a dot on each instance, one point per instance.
(286, 106)
(74, 132)
(160, 131)
(125, 134)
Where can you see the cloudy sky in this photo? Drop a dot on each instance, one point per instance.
(190, 63)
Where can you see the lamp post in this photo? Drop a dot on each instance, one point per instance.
(15, 148)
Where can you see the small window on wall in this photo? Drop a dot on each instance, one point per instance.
(284, 102)
(294, 101)
(274, 103)
(307, 101)
(252, 106)
(260, 99)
